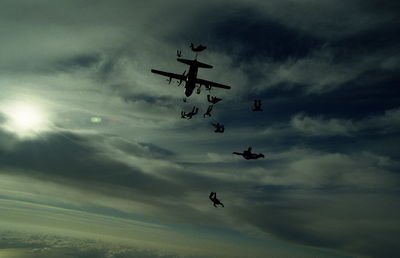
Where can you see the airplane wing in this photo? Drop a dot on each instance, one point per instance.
(212, 84)
(170, 75)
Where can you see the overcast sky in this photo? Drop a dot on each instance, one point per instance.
(95, 160)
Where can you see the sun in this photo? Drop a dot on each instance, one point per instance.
(25, 119)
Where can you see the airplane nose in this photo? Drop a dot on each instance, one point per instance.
(188, 92)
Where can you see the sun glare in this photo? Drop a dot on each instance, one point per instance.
(25, 119)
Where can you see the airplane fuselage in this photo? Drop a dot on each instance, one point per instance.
(191, 80)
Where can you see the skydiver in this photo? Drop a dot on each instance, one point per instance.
(248, 155)
(208, 113)
(199, 48)
(247, 152)
(213, 99)
(183, 114)
(192, 113)
(219, 128)
(213, 198)
(257, 105)
(178, 53)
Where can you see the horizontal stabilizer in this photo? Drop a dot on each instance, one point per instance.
(194, 62)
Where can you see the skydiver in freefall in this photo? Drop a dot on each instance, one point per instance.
(219, 128)
(208, 113)
(192, 113)
(213, 198)
(183, 114)
(199, 48)
(248, 155)
(257, 105)
(213, 99)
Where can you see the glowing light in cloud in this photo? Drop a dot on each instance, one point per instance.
(96, 120)
(25, 119)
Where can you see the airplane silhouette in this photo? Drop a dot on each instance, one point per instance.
(248, 155)
(190, 79)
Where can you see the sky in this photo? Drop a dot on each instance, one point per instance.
(96, 161)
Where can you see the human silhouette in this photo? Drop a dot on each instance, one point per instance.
(248, 155)
(257, 105)
(183, 114)
(191, 113)
(213, 198)
(178, 53)
(213, 99)
(219, 128)
(199, 48)
(208, 113)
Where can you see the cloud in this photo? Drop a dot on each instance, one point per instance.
(322, 127)
(386, 123)
(18, 244)
(337, 220)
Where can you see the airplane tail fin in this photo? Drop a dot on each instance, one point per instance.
(194, 62)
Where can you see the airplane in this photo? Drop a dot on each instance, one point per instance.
(248, 155)
(190, 78)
